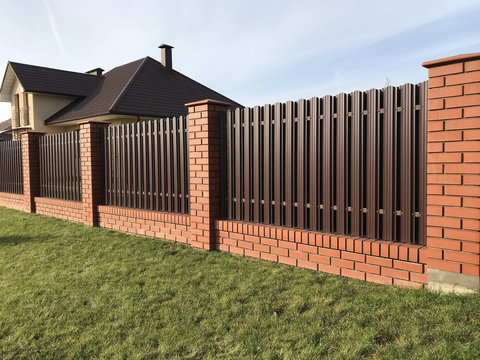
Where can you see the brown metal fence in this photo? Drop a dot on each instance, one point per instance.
(11, 167)
(351, 164)
(146, 165)
(60, 173)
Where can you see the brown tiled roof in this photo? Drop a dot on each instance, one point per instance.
(140, 88)
(53, 81)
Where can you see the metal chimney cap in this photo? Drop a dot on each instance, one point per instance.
(165, 46)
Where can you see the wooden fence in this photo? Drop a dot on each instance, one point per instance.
(60, 174)
(350, 164)
(146, 165)
(11, 168)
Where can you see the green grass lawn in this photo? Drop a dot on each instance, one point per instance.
(72, 292)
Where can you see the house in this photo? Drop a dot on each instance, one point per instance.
(5, 128)
(53, 100)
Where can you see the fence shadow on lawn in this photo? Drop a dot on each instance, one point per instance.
(19, 239)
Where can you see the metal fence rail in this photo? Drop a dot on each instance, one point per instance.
(351, 164)
(60, 173)
(146, 165)
(11, 167)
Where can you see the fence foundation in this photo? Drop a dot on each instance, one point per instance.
(31, 168)
(92, 170)
(204, 170)
(453, 180)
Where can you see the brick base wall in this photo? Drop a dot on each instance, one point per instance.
(12, 201)
(62, 209)
(168, 226)
(365, 259)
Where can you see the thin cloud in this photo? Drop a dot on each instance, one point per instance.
(53, 26)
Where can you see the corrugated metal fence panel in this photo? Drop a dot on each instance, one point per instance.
(146, 165)
(60, 173)
(350, 164)
(11, 167)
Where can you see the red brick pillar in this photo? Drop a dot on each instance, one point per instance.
(31, 168)
(453, 180)
(204, 170)
(91, 154)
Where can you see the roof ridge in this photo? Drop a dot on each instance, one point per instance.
(50, 68)
(127, 85)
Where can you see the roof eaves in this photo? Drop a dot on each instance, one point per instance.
(127, 85)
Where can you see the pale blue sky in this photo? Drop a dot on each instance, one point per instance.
(254, 52)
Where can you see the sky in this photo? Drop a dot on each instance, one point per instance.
(254, 52)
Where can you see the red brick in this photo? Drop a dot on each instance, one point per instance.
(298, 255)
(472, 65)
(353, 274)
(443, 222)
(471, 134)
(467, 235)
(368, 268)
(462, 124)
(445, 114)
(379, 279)
(472, 111)
(307, 265)
(279, 251)
(409, 266)
(471, 88)
(463, 212)
(444, 158)
(462, 190)
(379, 261)
(445, 92)
(319, 259)
(444, 200)
(436, 104)
(436, 82)
(342, 263)
(445, 70)
(307, 248)
(287, 244)
(353, 256)
(395, 273)
(329, 252)
(444, 136)
(443, 243)
(463, 78)
(473, 270)
(252, 253)
(261, 248)
(462, 257)
(444, 179)
(462, 101)
(420, 278)
(329, 269)
(444, 265)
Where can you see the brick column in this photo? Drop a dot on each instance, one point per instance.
(453, 180)
(91, 154)
(204, 170)
(31, 168)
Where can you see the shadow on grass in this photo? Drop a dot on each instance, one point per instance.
(19, 239)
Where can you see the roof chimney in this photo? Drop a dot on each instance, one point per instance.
(166, 55)
(97, 71)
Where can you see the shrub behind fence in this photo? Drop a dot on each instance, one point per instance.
(60, 174)
(11, 168)
(146, 165)
(351, 164)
